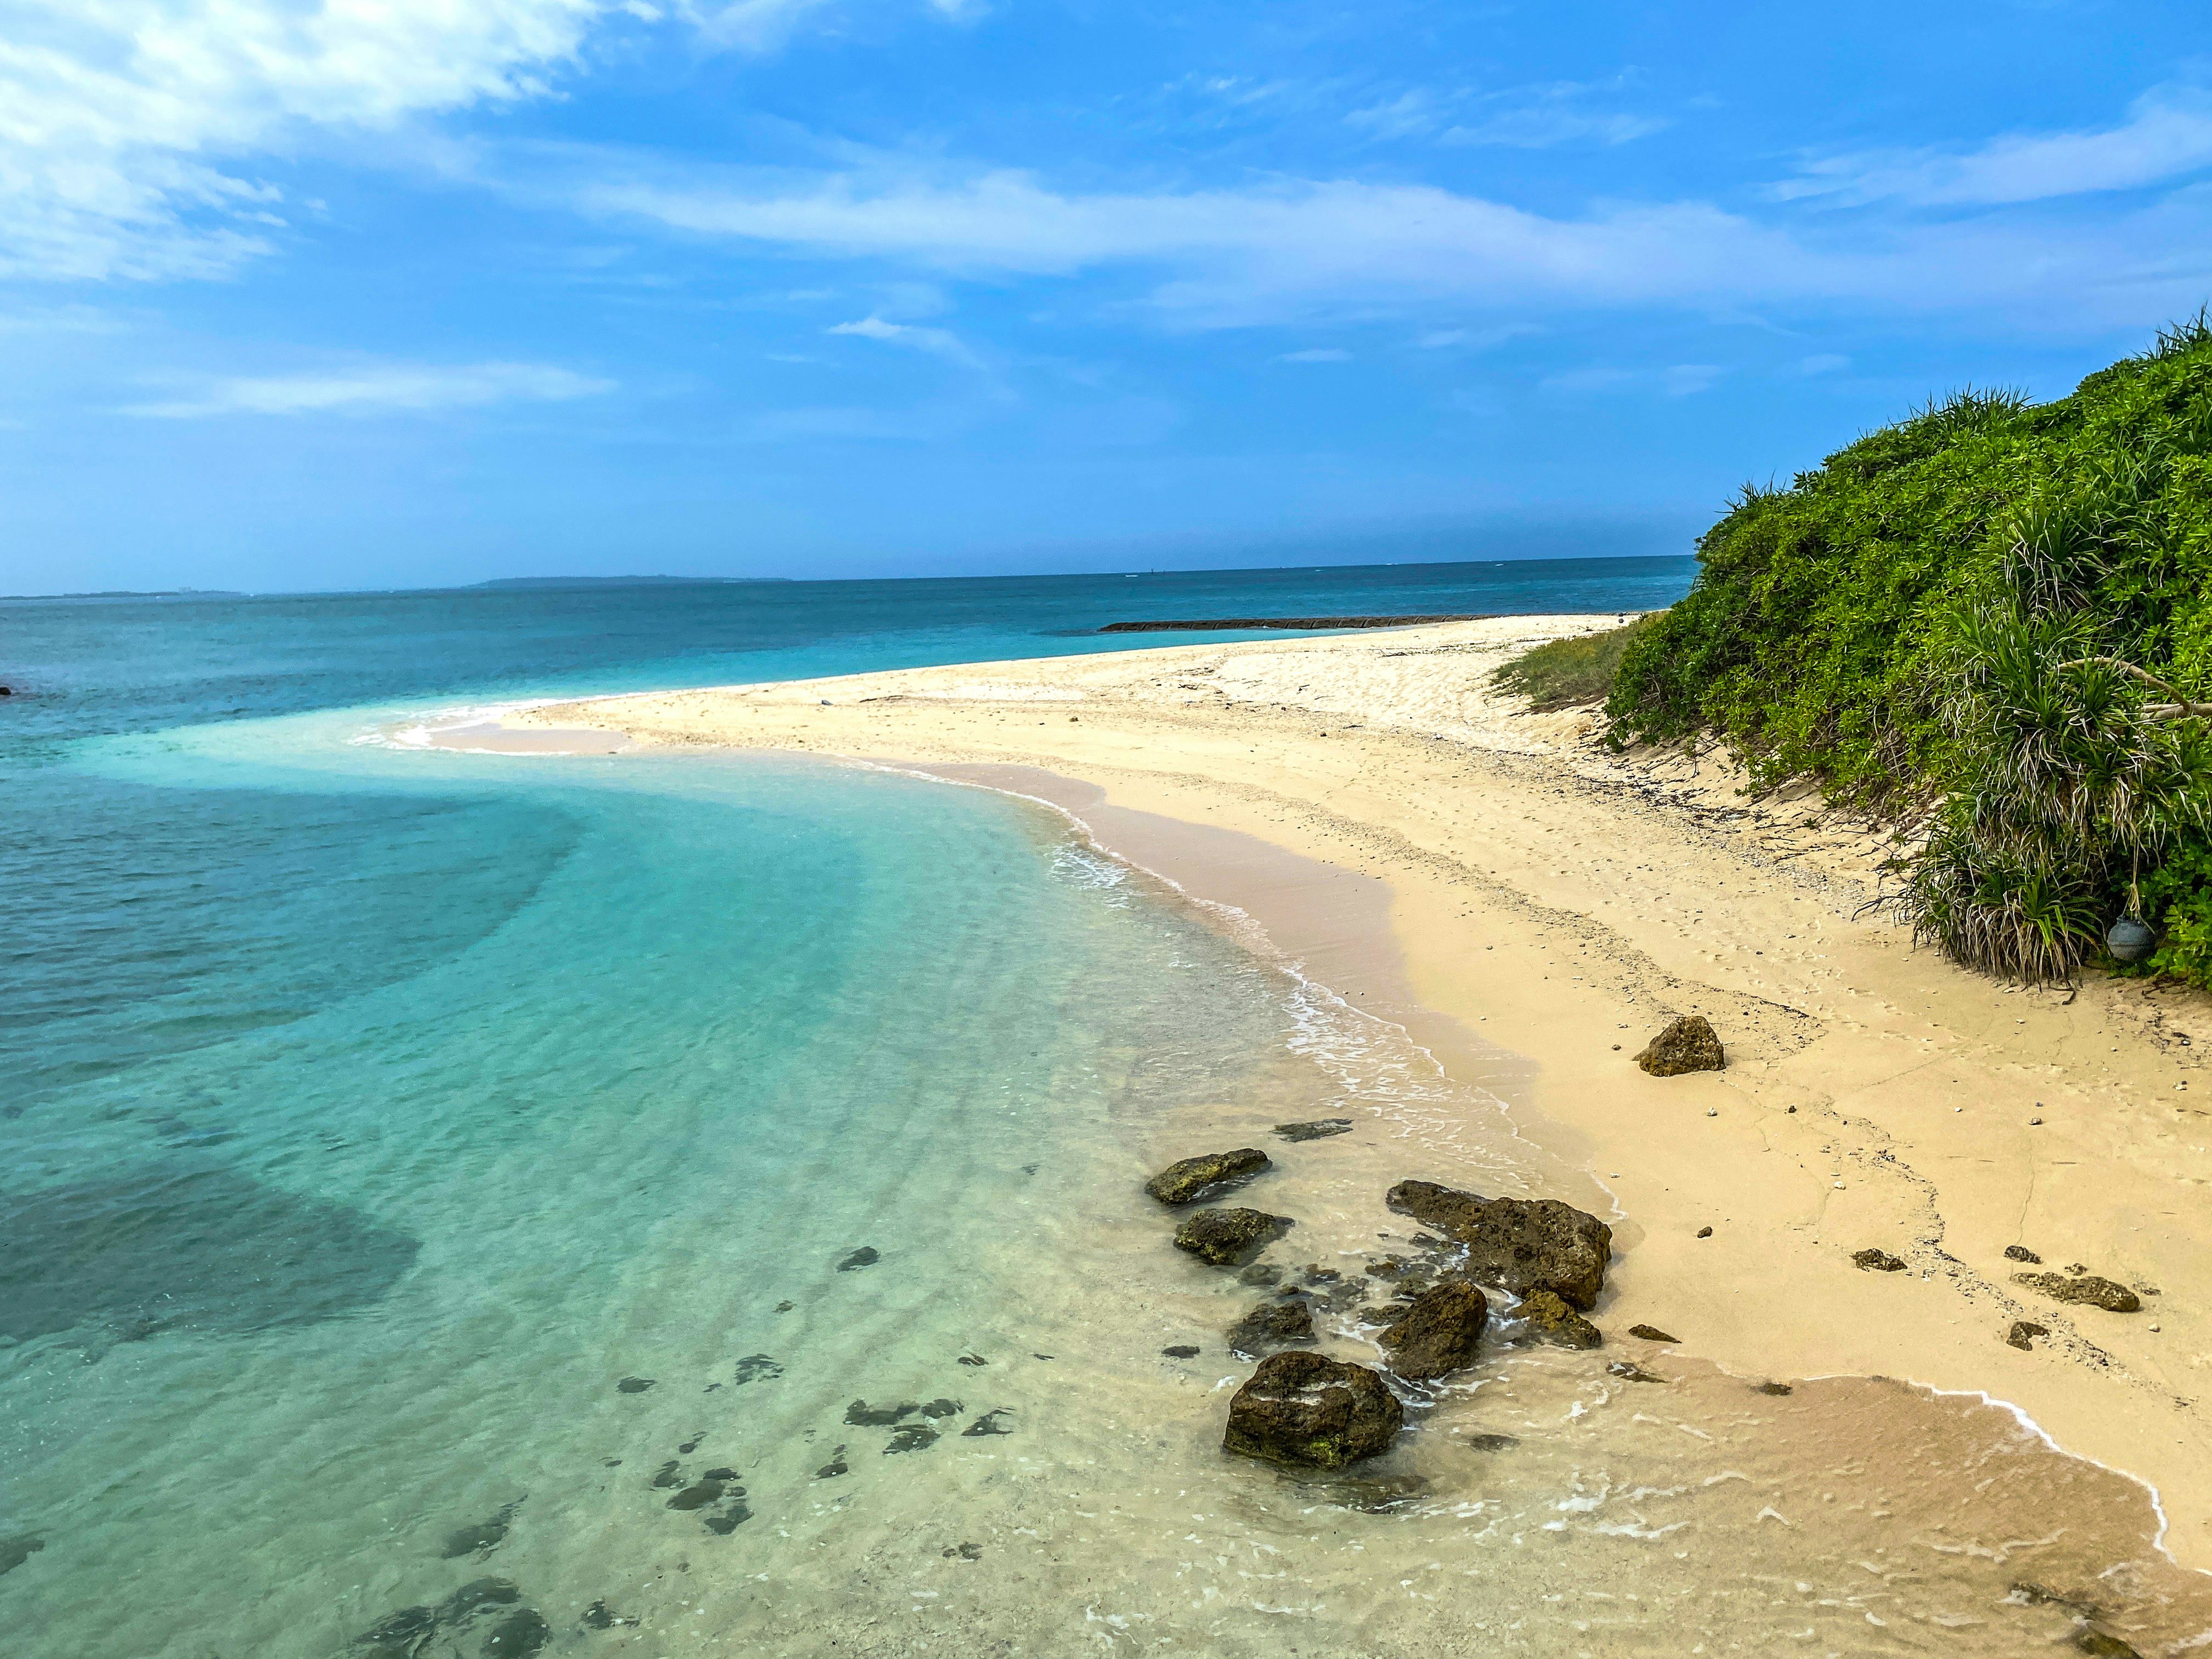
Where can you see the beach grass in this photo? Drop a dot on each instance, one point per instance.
(1568, 674)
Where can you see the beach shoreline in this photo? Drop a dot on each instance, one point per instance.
(1553, 901)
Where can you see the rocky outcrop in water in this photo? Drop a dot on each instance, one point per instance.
(1227, 1238)
(1521, 1244)
(1550, 1320)
(1686, 1045)
(1652, 1333)
(1190, 1179)
(1439, 1332)
(1267, 1326)
(1312, 1411)
(2086, 1289)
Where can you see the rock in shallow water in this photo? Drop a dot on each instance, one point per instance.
(1193, 1178)
(1312, 1411)
(1225, 1239)
(1268, 1325)
(1439, 1333)
(2088, 1289)
(1652, 1333)
(1319, 1129)
(1522, 1244)
(1687, 1045)
(1552, 1321)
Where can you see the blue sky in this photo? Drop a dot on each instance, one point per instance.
(312, 294)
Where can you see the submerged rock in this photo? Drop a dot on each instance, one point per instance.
(1686, 1045)
(1522, 1244)
(481, 1538)
(1439, 1333)
(911, 1436)
(1878, 1262)
(406, 1633)
(865, 1256)
(1319, 1129)
(1652, 1333)
(1180, 1351)
(758, 1367)
(1490, 1443)
(522, 1632)
(863, 1415)
(635, 1385)
(1311, 1411)
(1551, 1320)
(2087, 1289)
(1779, 1390)
(1632, 1371)
(1267, 1326)
(1193, 1178)
(1226, 1237)
(14, 1552)
(989, 1424)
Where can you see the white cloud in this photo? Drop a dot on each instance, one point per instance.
(118, 116)
(1824, 362)
(1316, 354)
(382, 388)
(939, 341)
(129, 128)
(1290, 251)
(2168, 133)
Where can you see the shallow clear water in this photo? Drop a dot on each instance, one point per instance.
(429, 1169)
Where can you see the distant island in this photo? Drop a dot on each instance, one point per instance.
(510, 582)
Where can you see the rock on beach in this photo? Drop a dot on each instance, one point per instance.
(1552, 1321)
(1687, 1045)
(1192, 1178)
(1268, 1325)
(1312, 1411)
(1227, 1238)
(1522, 1244)
(1439, 1333)
(2086, 1289)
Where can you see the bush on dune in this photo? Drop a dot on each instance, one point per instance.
(1992, 620)
(1566, 673)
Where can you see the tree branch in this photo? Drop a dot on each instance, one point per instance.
(2180, 709)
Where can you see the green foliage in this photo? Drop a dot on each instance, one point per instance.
(1565, 673)
(1929, 624)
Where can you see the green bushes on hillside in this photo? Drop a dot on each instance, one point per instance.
(1992, 616)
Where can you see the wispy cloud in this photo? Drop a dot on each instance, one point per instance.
(378, 389)
(1289, 250)
(2167, 134)
(938, 342)
(1676, 381)
(1534, 117)
(129, 129)
(1316, 354)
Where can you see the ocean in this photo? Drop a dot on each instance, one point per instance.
(691, 1204)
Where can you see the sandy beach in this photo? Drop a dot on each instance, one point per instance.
(1534, 908)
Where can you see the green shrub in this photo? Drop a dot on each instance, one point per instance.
(1565, 673)
(1907, 623)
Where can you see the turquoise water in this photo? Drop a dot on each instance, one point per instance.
(430, 1171)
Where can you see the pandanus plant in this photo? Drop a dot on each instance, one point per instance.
(2077, 777)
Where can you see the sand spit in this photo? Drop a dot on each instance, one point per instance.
(1554, 907)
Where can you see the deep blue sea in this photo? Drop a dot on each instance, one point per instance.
(686, 1205)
